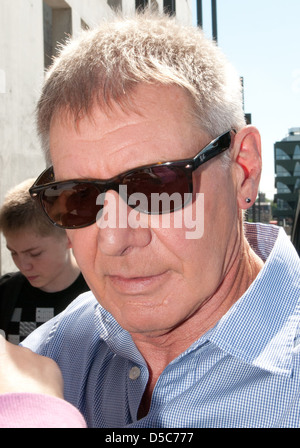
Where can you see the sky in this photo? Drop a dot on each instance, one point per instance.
(262, 40)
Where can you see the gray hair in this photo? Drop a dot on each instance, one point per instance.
(106, 63)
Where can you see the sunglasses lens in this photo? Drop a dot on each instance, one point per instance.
(153, 190)
(159, 189)
(72, 204)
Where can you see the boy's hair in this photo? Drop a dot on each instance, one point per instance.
(105, 64)
(20, 211)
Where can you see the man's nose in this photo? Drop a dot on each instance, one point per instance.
(121, 228)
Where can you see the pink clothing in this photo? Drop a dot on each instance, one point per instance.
(24, 410)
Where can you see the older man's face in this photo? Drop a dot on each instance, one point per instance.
(149, 278)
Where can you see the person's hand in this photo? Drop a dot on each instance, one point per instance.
(21, 370)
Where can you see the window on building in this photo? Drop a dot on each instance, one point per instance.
(283, 205)
(281, 155)
(297, 169)
(282, 188)
(297, 186)
(57, 21)
(152, 4)
(282, 172)
(170, 6)
(47, 22)
(296, 155)
(140, 4)
(116, 5)
(84, 25)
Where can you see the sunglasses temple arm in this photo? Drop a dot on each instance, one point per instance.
(205, 156)
(213, 150)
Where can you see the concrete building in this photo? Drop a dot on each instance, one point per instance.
(29, 33)
(287, 180)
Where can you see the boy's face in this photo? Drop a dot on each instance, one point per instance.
(41, 259)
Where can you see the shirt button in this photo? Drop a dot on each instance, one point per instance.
(134, 373)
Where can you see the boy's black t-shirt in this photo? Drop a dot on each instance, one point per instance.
(34, 307)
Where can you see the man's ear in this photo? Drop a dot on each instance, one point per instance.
(247, 154)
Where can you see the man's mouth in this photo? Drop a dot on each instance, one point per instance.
(136, 285)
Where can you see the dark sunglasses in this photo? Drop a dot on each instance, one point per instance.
(73, 204)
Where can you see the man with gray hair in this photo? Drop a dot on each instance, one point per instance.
(176, 331)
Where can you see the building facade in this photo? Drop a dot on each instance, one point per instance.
(261, 210)
(287, 180)
(30, 31)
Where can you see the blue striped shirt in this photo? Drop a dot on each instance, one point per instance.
(243, 373)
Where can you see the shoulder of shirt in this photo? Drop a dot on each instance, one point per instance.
(77, 317)
(11, 277)
(263, 326)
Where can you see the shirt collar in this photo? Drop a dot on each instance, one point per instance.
(117, 339)
(260, 328)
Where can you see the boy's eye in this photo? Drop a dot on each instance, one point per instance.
(35, 254)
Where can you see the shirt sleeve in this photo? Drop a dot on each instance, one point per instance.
(26, 410)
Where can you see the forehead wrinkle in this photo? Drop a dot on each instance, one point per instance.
(118, 148)
(132, 138)
(84, 133)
